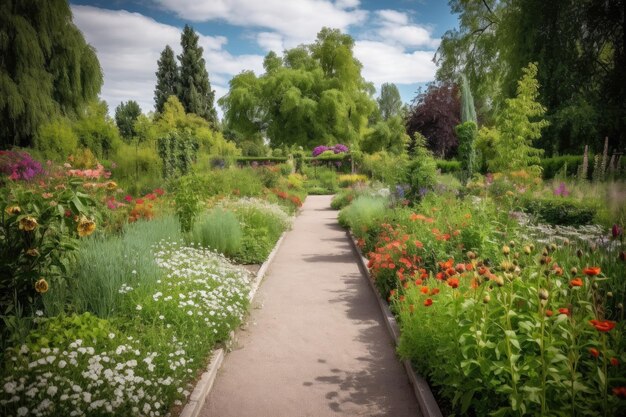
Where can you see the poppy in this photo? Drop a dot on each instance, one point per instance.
(594, 352)
(592, 271)
(453, 282)
(418, 282)
(428, 302)
(435, 291)
(549, 313)
(450, 272)
(564, 311)
(418, 244)
(424, 290)
(603, 326)
(440, 276)
(619, 392)
(576, 282)
(614, 361)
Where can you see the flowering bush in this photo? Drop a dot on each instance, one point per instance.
(337, 149)
(19, 166)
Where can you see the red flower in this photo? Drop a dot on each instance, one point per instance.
(614, 362)
(418, 282)
(418, 244)
(440, 276)
(139, 201)
(450, 272)
(151, 196)
(592, 270)
(435, 291)
(128, 198)
(564, 311)
(549, 313)
(159, 191)
(594, 352)
(603, 326)
(428, 302)
(424, 290)
(576, 282)
(619, 392)
(402, 298)
(453, 282)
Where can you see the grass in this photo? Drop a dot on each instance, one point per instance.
(219, 230)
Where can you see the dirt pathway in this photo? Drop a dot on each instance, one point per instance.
(315, 344)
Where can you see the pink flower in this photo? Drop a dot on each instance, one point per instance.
(128, 198)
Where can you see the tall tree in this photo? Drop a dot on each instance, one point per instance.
(126, 115)
(314, 95)
(167, 78)
(46, 68)
(435, 113)
(389, 102)
(195, 92)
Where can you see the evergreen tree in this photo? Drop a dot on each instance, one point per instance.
(194, 89)
(167, 78)
(389, 102)
(46, 68)
(126, 115)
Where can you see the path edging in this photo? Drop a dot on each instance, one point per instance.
(427, 403)
(205, 383)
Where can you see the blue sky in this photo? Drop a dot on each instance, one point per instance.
(394, 40)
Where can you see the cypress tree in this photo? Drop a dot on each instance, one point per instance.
(46, 68)
(167, 78)
(195, 92)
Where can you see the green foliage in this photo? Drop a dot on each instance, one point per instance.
(363, 215)
(231, 181)
(126, 115)
(187, 199)
(389, 102)
(195, 92)
(517, 130)
(467, 132)
(316, 95)
(47, 70)
(448, 166)
(561, 211)
(167, 79)
(386, 135)
(381, 166)
(219, 230)
(468, 112)
(96, 130)
(138, 168)
(421, 173)
(56, 139)
(551, 166)
(177, 152)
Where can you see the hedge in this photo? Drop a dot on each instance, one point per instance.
(560, 211)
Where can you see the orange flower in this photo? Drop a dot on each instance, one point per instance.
(414, 217)
(592, 271)
(41, 286)
(453, 282)
(594, 352)
(549, 313)
(619, 392)
(603, 326)
(402, 298)
(450, 272)
(418, 244)
(564, 311)
(614, 361)
(460, 268)
(482, 270)
(428, 302)
(418, 282)
(576, 282)
(424, 290)
(440, 276)
(435, 291)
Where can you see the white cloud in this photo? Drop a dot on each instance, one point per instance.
(129, 45)
(393, 16)
(297, 21)
(392, 26)
(393, 64)
(271, 41)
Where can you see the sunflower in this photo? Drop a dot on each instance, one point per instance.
(111, 185)
(85, 226)
(28, 223)
(41, 286)
(13, 210)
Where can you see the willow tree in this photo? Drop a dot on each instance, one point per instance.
(313, 95)
(46, 68)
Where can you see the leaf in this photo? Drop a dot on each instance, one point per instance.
(466, 401)
(76, 203)
(601, 376)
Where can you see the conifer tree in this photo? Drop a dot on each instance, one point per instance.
(194, 89)
(46, 68)
(167, 78)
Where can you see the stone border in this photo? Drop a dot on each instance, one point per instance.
(205, 383)
(424, 395)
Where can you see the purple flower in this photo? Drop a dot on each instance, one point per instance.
(561, 190)
(616, 231)
(19, 165)
(340, 148)
(318, 150)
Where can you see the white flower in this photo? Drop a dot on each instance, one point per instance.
(111, 335)
(134, 272)
(39, 313)
(62, 364)
(52, 390)
(22, 411)
(162, 317)
(139, 308)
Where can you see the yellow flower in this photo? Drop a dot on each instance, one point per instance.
(85, 226)
(41, 286)
(111, 185)
(32, 252)
(13, 210)
(28, 224)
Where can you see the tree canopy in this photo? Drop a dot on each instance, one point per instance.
(313, 95)
(126, 115)
(389, 102)
(167, 78)
(579, 47)
(46, 68)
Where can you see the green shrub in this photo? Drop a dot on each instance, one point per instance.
(421, 173)
(237, 181)
(187, 200)
(219, 230)
(56, 140)
(363, 215)
(342, 199)
(552, 166)
(137, 168)
(448, 166)
(558, 210)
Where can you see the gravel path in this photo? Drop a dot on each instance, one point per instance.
(315, 344)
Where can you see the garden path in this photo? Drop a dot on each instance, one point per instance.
(315, 344)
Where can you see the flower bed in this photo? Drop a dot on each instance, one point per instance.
(498, 322)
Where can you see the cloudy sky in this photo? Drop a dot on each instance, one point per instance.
(395, 39)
